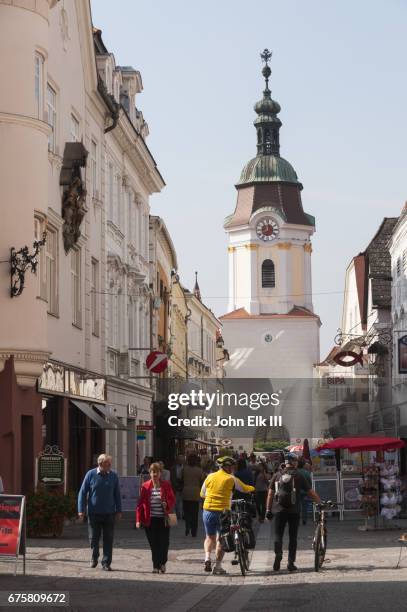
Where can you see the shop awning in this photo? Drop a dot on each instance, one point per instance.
(90, 412)
(363, 444)
(106, 410)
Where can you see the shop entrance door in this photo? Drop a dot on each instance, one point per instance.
(27, 454)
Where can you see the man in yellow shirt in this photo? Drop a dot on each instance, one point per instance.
(217, 491)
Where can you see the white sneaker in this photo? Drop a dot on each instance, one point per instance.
(156, 571)
(218, 571)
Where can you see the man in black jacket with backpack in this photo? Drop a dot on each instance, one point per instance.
(287, 486)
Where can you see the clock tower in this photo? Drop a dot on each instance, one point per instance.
(270, 311)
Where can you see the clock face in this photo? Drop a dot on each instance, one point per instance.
(267, 229)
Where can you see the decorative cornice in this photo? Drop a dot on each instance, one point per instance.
(231, 249)
(251, 247)
(28, 364)
(23, 120)
(308, 247)
(285, 246)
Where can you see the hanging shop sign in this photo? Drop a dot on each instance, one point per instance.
(141, 435)
(402, 345)
(12, 526)
(145, 427)
(157, 362)
(56, 379)
(347, 359)
(51, 466)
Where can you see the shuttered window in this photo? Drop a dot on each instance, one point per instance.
(268, 274)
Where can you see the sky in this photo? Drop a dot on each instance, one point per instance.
(339, 74)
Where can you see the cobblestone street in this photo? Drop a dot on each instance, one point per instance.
(360, 574)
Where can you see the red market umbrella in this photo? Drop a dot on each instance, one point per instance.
(355, 445)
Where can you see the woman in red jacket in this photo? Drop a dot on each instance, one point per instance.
(157, 500)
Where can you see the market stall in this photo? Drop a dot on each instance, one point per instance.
(370, 484)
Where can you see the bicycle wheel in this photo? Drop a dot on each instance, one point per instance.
(240, 552)
(319, 548)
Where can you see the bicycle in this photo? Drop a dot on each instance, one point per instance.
(237, 535)
(320, 540)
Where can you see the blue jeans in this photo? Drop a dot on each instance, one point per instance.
(304, 508)
(101, 524)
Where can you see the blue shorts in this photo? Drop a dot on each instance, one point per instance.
(211, 521)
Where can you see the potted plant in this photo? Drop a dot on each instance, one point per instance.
(47, 510)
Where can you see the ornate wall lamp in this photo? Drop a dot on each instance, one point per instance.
(20, 262)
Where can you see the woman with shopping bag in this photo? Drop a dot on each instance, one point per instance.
(155, 513)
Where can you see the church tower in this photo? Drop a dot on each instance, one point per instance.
(270, 293)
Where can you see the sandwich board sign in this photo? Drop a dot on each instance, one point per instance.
(12, 528)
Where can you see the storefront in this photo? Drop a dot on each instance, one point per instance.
(75, 416)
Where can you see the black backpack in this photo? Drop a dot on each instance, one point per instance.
(286, 491)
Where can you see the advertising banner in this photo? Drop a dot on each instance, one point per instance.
(11, 517)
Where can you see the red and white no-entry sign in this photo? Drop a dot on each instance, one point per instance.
(157, 362)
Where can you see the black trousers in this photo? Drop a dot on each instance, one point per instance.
(261, 498)
(99, 524)
(158, 536)
(280, 520)
(191, 511)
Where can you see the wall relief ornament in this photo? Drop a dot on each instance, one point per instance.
(74, 192)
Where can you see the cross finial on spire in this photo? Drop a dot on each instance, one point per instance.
(266, 72)
(266, 56)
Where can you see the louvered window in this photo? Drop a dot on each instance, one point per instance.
(268, 274)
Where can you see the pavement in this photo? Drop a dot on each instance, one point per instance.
(359, 574)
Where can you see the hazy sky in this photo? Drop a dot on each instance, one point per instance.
(339, 74)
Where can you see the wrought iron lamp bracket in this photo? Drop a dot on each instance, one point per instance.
(384, 337)
(20, 262)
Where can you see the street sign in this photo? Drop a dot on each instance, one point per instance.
(51, 466)
(157, 362)
(145, 427)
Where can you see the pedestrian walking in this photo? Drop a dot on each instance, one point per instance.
(305, 468)
(286, 486)
(165, 474)
(217, 494)
(144, 470)
(246, 475)
(261, 487)
(193, 477)
(99, 496)
(156, 502)
(177, 483)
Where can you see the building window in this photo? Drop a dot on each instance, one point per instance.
(130, 217)
(95, 297)
(52, 117)
(94, 168)
(39, 85)
(74, 129)
(51, 265)
(118, 203)
(111, 192)
(76, 287)
(268, 274)
(41, 270)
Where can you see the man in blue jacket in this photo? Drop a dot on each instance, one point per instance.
(100, 496)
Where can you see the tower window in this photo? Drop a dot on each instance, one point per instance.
(268, 274)
(267, 141)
